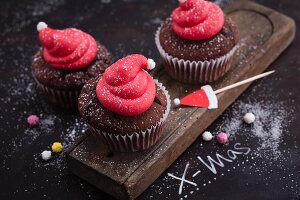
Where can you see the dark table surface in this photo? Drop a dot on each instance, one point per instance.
(270, 170)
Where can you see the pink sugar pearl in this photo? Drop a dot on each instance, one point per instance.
(33, 120)
(222, 138)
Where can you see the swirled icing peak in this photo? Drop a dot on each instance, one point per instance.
(125, 87)
(67, 49)
(197, 19)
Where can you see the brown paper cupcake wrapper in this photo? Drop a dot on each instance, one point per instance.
(62, 98)
(194, 72)
(136, 141)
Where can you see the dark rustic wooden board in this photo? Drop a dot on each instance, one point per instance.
(265, 34)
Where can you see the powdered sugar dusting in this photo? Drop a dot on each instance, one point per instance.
(28, 13)
(269, 129)
(271, 119)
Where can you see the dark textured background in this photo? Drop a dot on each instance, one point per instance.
(128, 27)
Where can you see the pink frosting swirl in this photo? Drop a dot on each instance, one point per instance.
(197, 20)
(67, 49)
(125, 88)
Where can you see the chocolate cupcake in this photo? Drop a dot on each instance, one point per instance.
(67, 60)
(125, 108)
(197, 42)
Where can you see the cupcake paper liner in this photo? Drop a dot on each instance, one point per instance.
(194, 72)
(62, 98)
(136, 141)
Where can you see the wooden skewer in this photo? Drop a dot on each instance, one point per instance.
(244, 82)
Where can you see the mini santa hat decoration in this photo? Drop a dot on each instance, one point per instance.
(206, 97)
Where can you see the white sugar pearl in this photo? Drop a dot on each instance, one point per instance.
(176, 102)
(249, 118)
(182, 1)
(46, 155)
(151, 64)
(41, 25)
(207, 136)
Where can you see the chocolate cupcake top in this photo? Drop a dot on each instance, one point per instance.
(68, 58)
(198, 31)
(124, 99)
(101, 118)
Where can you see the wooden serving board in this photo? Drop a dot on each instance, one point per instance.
(265, 34)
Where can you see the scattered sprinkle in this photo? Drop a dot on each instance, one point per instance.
(249, 118)
(57, 147)
(176, 102)
(222, 138)
(207, 136)
(46, 155)
(33, 120)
